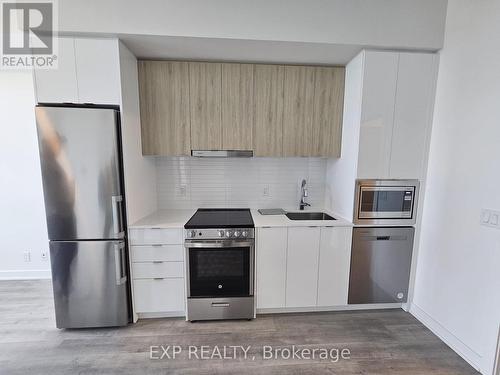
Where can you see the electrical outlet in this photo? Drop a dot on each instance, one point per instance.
(490, 218)
(27, 256)
(265, 191)
(45, 255)
(182, 190)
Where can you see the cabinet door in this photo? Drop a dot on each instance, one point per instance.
(268, 111)
(205, 105)
(164, 101)
(327, 111)
(159, 295)
(298, 111)
(334, 265)
(302, 266)
(377, 114)
(59, 85)
(98, 71)
(413, 114)
(237, 106)
(271, 267)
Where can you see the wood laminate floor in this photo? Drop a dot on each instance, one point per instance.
(380, 342)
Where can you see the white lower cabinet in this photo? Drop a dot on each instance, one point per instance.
(271, 267)
(301, 267)
(334, 266)
(157, 271)
(159, 295)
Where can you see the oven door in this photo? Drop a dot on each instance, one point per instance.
(219, 268)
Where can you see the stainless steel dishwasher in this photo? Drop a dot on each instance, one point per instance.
(380, 264)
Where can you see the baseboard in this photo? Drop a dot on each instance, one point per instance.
(280, 310)
(464, 351)
(25, 275)
(154, 315)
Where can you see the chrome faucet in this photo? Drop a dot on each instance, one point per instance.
(303, 195)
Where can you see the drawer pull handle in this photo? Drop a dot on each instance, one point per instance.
(158, 278)
(157, 261)
(220, 304)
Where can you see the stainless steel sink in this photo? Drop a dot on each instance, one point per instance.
(309, 216)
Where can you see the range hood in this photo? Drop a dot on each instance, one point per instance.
(222, 153)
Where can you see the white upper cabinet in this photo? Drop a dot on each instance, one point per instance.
(377, 114)
(302, 266)
(88, 72)
(271, 267)
(396, 114)
(97, 71)
(413, 114)
(59, 85)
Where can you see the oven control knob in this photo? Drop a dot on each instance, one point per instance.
(237, 233)
(221, 233)
(244, 233)
(228, 234)
(191, 234)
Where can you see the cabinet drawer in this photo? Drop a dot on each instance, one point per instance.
(161, 295)
(168, 253)
(148, 270)
(152, 236)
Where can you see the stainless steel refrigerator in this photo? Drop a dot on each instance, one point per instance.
(80, 157)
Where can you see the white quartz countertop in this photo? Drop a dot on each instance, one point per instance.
(283, 221)
(176, 218)
(164, 219)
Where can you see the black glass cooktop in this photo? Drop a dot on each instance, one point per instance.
(220, 218)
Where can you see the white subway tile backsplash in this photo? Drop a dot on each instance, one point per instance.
(186, 182)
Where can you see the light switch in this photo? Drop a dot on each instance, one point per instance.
(490, 218)
(485, 216)
(494, 219)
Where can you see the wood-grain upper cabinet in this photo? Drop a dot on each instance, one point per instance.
(298, 110)
(164, 102)
(268, 110)
(327, 111)
(205, 105)
(274, 110)
(237, 106)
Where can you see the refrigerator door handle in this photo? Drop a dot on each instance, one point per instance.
(121, 277)
(116, 202)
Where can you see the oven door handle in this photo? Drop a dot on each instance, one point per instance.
(218, 244)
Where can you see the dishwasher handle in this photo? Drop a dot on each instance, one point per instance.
(384, 238)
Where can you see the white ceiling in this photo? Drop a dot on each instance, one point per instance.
(217, 49)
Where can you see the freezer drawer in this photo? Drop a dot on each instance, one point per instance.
(380, 265)
(90, 283)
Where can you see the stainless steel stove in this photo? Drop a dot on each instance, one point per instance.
(220, 257)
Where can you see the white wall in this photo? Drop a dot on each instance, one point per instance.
(22, 211)
(341, 173)
(185, 182)
(377, 23)
(139, 171)
(458, 271)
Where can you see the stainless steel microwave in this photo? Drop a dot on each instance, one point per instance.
(386, 202)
